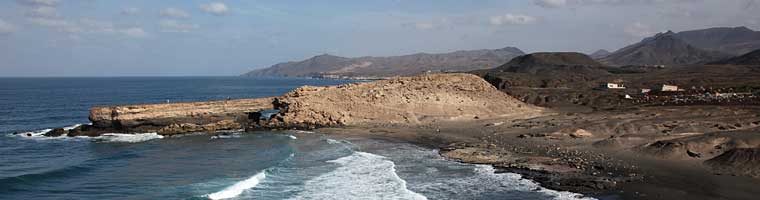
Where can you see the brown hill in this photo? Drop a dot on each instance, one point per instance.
(751, 58)
(545, 62)
(391, 66)
(662, 49)
(404, 100)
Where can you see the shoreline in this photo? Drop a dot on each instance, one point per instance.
(565, 163)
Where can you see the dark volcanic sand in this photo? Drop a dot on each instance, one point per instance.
(620, 158)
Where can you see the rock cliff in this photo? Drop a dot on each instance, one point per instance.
(405, 100)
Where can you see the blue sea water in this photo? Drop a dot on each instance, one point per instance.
(254, 165)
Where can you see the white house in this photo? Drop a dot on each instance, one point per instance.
(668, 88)
(613, 86)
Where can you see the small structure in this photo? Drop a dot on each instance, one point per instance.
(612, 86)
(645, 90)
(668, 88)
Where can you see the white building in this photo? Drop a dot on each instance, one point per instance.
(613, 86)
(668, 88)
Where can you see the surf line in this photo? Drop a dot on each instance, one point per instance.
(239, 187)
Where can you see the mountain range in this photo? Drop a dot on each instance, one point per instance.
(687, 47)
(751, 58)
(683, 48)
(336, 66)
(662, 49)
(735, 41)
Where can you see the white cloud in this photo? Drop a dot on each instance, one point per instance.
(424, 26)
(175, 26)
(57, 24)
(513, 19)
(130, 11)
(6, 28)
(562, 3)
(638, 30)
(39, 2)
(216, 8)
(134, 32)
(42, 11)
(91, 25)
(550, 3)
(174, 13)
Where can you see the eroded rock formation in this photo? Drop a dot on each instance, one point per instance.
(406, 100)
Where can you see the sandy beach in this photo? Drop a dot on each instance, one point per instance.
(615, 157)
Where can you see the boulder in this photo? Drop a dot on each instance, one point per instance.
(581, 133)
(55, 132)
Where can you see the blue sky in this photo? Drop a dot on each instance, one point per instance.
(230, 37)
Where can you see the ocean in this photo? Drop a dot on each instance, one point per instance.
(241, 165)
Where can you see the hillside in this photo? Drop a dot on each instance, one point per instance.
(601, 53)
(735, 41)
(403, 100)
(391, 66)
(535, 62)
(751, 58)
(662, 49)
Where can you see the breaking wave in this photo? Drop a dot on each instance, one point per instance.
(238, 188)
(108, 137)
(360, 176)
(40, 134)
(130, 138)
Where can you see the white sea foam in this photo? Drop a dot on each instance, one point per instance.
(68, 128)
(520, 183)
(227, 135)
(332, 141)
(40, 134)
(239, 187)
(432, 175)
(303, 132)
(360, 176)
(130, 138)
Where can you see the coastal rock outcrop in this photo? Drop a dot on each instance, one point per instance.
(406, 100)
(176, 118)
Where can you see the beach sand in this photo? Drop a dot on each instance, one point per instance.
(643, 153)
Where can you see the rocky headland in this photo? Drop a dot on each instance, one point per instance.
(631, 152)
(405, 100)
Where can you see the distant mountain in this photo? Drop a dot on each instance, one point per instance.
(601, 53)
(329, 65)
(751, 58)
(736, 41)
(662, 49)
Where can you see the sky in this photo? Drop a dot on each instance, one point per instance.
(231, 37)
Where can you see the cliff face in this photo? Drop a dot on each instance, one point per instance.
(171, 118)
(406, 100)
(405, 65)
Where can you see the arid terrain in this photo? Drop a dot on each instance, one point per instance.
(631, 151)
